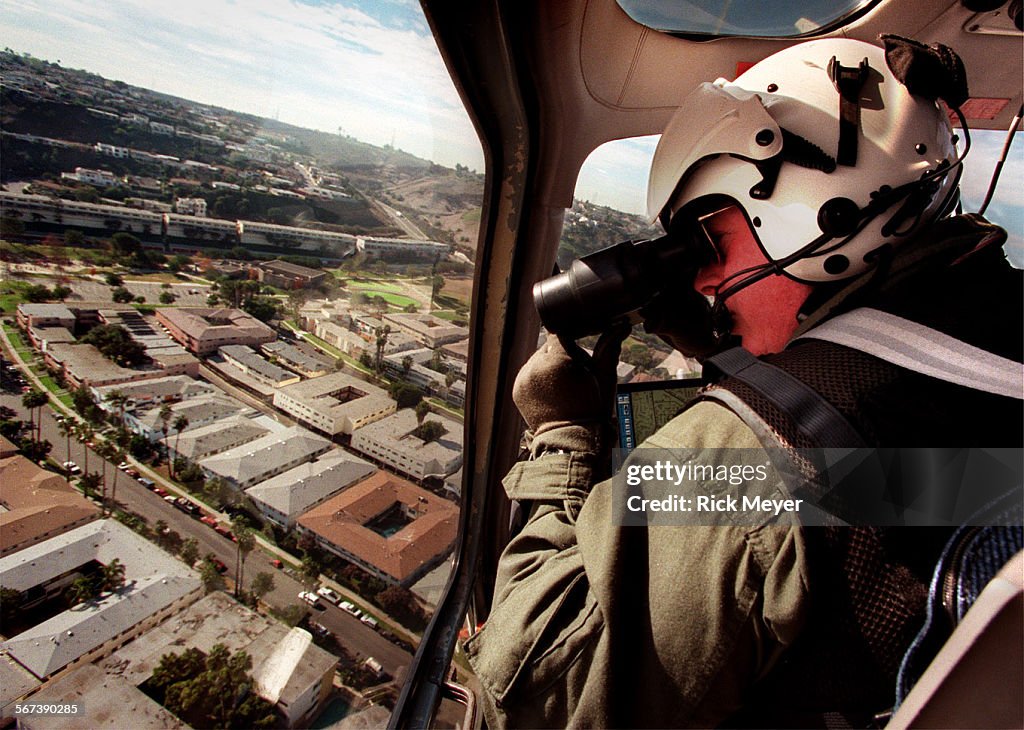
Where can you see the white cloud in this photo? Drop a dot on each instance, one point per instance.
(320, 66)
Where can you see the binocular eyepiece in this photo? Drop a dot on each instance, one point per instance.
(611, 284)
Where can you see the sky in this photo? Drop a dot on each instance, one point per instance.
(367, 68)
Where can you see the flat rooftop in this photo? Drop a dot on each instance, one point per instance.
(298, 489)
(108, 701)
(256, 459)
(288, 665)
(339, 395)
(153, 581)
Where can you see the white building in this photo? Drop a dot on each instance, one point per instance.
(199, 411)
(190, 206)
(266, 457)
(335, 403)
(156, 586)
(153, 392)
(111, 150)
(282, 499)
(102, 178)
(392, 441)
(247, 360)
(195, 444)
(385, 247)
(429, 330)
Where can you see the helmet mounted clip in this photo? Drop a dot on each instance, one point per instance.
(848, 80)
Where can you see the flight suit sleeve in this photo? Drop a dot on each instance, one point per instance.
(595, 624)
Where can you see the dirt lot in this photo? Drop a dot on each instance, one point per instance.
(460, 287)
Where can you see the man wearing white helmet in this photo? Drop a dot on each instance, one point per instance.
(809, 199)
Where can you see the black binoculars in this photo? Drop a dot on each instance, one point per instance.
(611, 284)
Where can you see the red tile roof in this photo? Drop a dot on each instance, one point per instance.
(342, 521)
(38, 504)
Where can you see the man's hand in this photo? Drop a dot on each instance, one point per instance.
(561, 385)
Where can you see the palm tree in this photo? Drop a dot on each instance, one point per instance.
(244, 543)
(422, 409)
(28, 401)
(104, 450)
(165, 419)
(83, 589)
(381, 342)
(180, 424)
(118, 400)
(88, 482)
(84, 433)
(66, 427)
(117, 456)
(35, 399)
(113, 575)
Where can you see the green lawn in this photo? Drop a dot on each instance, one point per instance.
(12, 293)
(51, 385)
(373, 286)
(9, 302)
(396, 300)
(23, 351)
(449, 315)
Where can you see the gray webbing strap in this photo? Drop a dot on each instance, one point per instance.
(810, 413)
(922, 350)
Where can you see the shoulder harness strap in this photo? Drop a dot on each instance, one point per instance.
(922, 349)
(815, 417)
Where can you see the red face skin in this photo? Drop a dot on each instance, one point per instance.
(764, 313)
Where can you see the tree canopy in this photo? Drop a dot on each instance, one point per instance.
(116, 344)
(429, 431)
(407, 396)
(213, 690)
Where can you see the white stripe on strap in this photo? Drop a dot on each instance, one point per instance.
(923, 350)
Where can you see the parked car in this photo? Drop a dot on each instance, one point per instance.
(319, 630)
(219, 565)
(349, 608)
(277, 563)
(207, 520)
(374, 666)
(328, 594)
(226, 532)
(149, 484)
(310, 598)
(186, 506)
(72, 467)
(369, 621)
(156, 490)
(132, 472)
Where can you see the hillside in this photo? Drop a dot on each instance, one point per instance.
(426, 199)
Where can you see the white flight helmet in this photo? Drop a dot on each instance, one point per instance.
(826, 183)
